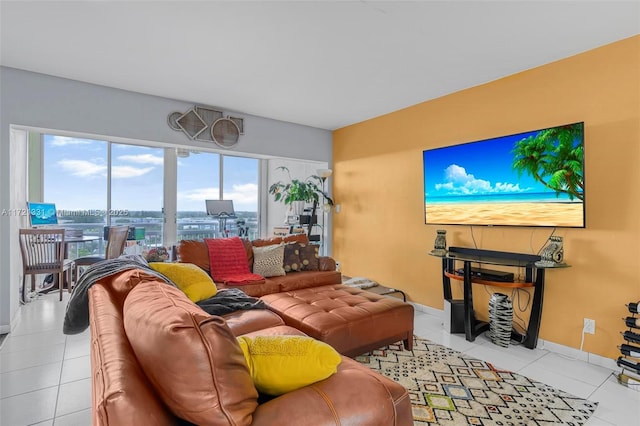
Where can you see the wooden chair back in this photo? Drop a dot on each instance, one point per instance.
(116, 241)
(42, 252)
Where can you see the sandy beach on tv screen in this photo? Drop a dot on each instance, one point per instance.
(523, 214)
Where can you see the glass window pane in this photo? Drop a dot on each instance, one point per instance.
(198, 180)
(240, 184)
(137, 193)
(75, 179)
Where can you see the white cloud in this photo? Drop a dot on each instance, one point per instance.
(83, 168)
(244, 196)
(142, 159)
(458, 181)
(199, 194)
(123, 172)
(64, 140)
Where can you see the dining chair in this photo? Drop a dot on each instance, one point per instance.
(116, 240)
(43, 253)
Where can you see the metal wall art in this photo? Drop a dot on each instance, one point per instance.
(208, 125)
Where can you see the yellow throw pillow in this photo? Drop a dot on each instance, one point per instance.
(189, 278)
(281, 364)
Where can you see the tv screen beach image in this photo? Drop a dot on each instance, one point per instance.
(528, 179)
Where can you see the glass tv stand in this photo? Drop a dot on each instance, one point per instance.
(534, 273)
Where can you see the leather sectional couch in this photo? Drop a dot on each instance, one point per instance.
(187, 365)
(351, 320)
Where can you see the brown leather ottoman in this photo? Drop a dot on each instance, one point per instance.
(351, 320)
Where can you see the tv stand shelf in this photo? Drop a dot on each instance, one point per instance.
(515, 284)
(534, 278)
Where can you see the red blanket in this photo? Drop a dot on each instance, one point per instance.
(228, 262)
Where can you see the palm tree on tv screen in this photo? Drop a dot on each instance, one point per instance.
(554, 158)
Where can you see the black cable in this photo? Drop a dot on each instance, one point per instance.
(473, 238)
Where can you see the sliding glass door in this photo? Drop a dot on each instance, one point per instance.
(137, 193)
(97, 183)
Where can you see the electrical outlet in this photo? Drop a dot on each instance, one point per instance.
(589, 326)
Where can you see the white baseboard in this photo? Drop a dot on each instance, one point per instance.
(567, 351)
(428, 310)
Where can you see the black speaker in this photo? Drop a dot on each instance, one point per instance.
(454, 316)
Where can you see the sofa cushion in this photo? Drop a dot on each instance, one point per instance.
(260, 242)
(178, 346)
(281, 364)
(309, 254)
(194, 251)
(193, 281)
(291, 261)
(268, 260)
(305, 279)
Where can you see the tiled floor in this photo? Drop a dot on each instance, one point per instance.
(45, 376)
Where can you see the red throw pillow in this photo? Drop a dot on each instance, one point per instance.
(228, 261)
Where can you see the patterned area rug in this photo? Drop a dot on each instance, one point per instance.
(449, 388)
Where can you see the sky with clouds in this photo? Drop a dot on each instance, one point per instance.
(75, 177)
(483, 167)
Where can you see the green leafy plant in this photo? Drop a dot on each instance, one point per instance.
(309, 190)
(553, 157)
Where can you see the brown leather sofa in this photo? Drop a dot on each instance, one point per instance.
(146, 361)
(196, 252)
(351, 320)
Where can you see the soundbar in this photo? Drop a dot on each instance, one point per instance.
(489, 274)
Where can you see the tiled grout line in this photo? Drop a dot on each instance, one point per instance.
(55, 409)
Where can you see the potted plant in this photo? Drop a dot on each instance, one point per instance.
(309, 190)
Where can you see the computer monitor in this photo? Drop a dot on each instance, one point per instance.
(220, 208)
(42, 214)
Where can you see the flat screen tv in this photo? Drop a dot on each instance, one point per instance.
(42, 214)
(534, 178)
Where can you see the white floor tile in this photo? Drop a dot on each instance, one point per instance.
(617, 403)
(28, 408)
(77, 348)
(11, 361)
(33, 341)
(579, 370)
(75, 369)
(79, 418)
(570, 385)
(29, 379)
(74, 396)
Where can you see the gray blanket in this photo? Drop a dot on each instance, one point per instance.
(230, 300)
(76, 319)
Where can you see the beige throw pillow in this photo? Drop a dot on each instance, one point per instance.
(267, 260)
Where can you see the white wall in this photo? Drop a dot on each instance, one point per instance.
(32, 100)
(276, 212)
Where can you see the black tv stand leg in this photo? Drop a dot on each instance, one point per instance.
(533, 330)
(469, 317)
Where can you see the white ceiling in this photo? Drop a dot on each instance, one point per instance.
(322, 64)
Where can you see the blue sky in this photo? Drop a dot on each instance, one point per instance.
(76, 177)
(482, 167)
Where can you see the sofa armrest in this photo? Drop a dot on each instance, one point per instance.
(326, 263)
(354, 395)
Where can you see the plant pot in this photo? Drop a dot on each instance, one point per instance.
(297, 207)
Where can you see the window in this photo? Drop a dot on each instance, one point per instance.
(240, 184)
(137, 190)
(96, 183)
(198, 179)
(74, 176)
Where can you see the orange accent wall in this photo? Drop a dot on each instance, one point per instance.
(380, 231)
